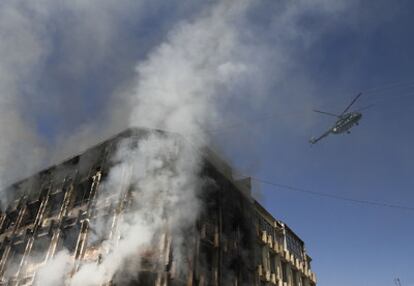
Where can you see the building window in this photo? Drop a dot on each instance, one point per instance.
(294, 246)
(284, 272)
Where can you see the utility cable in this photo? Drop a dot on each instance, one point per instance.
(321, 194)
(401, 84)
(331, 196)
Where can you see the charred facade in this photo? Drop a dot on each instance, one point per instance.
(234, 241)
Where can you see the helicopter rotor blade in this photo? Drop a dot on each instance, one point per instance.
(352, 102)
(326, 113)
(365, 107)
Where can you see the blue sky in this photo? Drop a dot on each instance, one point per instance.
(74, 63)
(352, 244)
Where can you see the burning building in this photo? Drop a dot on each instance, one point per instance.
(71, 208)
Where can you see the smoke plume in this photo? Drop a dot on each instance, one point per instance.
(177, 90)
(192, 71)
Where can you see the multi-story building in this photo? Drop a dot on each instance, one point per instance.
(282, 258)
(235, 240)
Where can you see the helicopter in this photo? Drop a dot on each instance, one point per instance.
(345, 121)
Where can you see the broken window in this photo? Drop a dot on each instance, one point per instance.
(40, 246)
(15, 256)
(31, 213)
(10, 220)
(207, 264)
(67, 182)
(54, 203)
(43, 193)
(100, 229)
(70, 234)
(83, 192)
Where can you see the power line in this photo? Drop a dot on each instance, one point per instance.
(400, 84)
(331, 196)
(321, 194)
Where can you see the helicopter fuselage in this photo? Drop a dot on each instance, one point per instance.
(345, 122)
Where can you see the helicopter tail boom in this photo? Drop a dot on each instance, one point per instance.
(313, 140)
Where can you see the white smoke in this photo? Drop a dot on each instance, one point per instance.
(182, 86)
(177, 90)
(20, 51)
(163, 175)
(58, 270)
(53, 54)
(51, 50)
